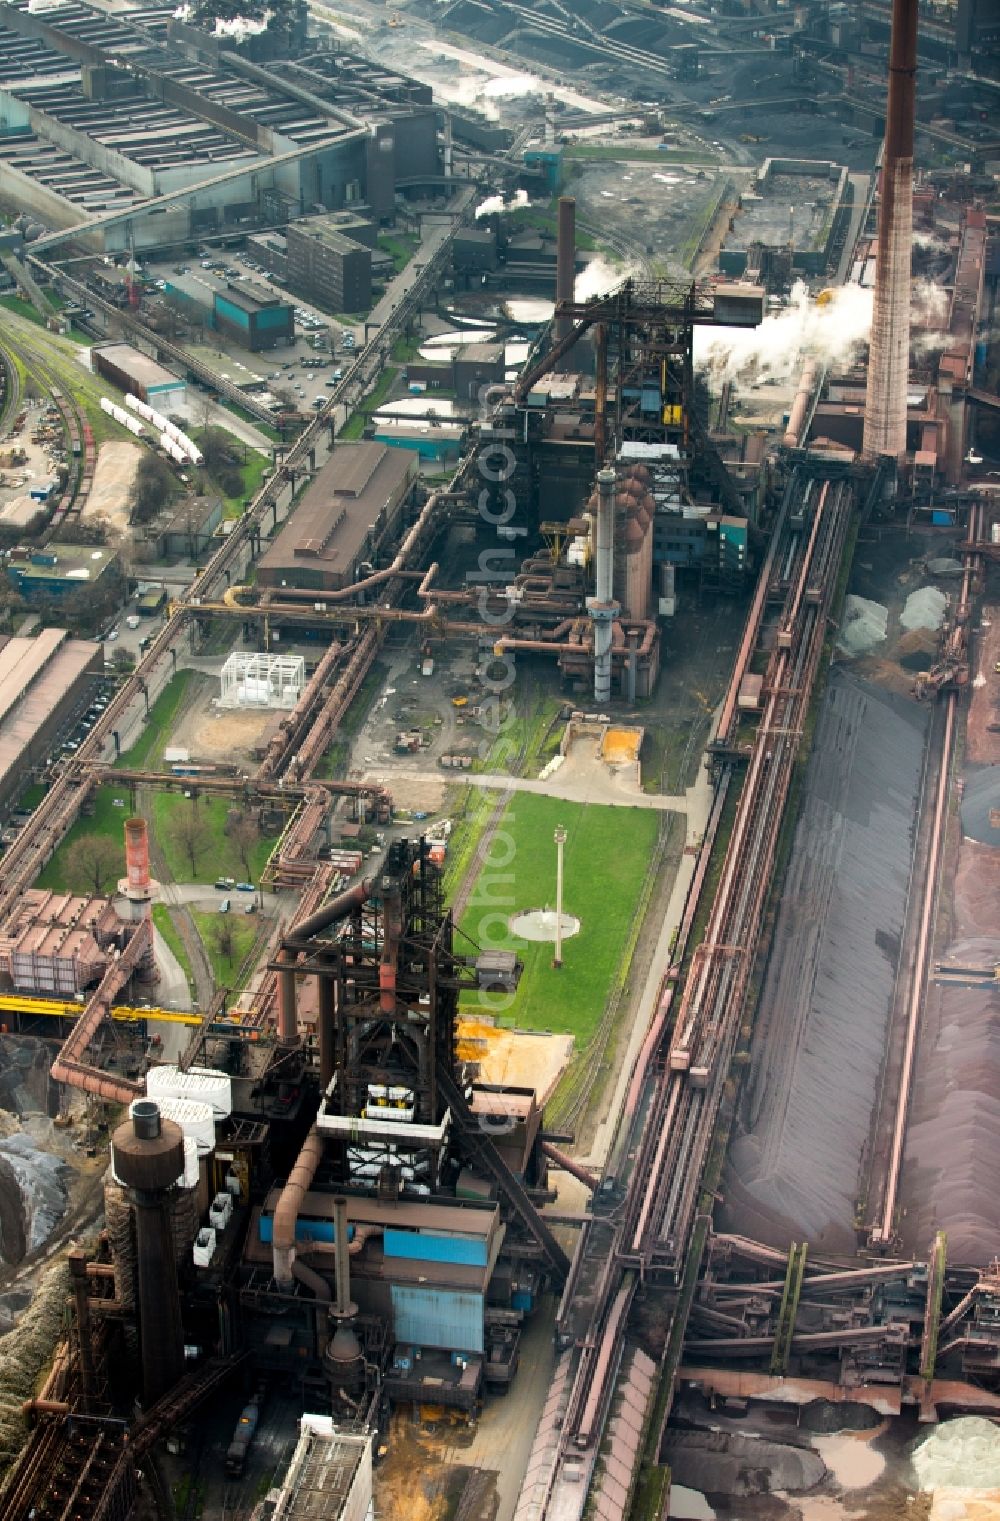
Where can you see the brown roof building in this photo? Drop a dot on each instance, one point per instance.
(44, 680)
(353, 507)
(58, 943)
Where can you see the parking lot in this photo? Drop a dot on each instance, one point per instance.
(322, 347)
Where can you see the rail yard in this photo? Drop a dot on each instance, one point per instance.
(498, 891)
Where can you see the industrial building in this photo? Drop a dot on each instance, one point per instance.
(45, 680)
(256, 321)
(58, 944)
(351, 509)
(329, 1475)
(103, 114)
(794, 207)
(327, 267)
(131, 370)
(59, 570)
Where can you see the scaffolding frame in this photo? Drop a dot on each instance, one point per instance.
(257, 679)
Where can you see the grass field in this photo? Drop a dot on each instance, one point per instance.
(105, 820)
(147, 752)
(242, 927)
(400, 246)
(165, 926)
(355, 426)
(606, 855)
(217, 855)
(612, 153)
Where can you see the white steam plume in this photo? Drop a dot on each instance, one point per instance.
(497, 203)
(833, 331)
(600, 277)
(929, 241)
(929, 304)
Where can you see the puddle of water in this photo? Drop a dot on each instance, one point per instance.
(529, 309)
(851, 1460)
(689, 1504)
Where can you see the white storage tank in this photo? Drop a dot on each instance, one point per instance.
(203, 1084)
(196, 1120)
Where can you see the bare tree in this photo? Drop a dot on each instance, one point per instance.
(225, 939)
(187, 831)
(96, 861)
(245, 836)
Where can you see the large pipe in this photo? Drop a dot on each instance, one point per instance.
(889, 355)
(338, 908)
(565, 261)
(800, 406)
(343, 1305)
(288, 1022)
(286, 1211)
(568, 1164)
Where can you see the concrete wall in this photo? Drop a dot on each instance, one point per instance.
(28, 195)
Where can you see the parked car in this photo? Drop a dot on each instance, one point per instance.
(224, 906)
(245, 887)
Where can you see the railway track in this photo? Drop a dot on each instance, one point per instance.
(81, 452)
(659, 1157)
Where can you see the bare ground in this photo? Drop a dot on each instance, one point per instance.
(215, 735)
(114, 475)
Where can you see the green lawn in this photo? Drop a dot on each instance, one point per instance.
(400, 246)
(268, 429)
(243, 928)
(253, 474)
(606, 855)
(612, 153)
(216, 854)
(355, 427)
(147, 752)
(165, 926)
(106, 820)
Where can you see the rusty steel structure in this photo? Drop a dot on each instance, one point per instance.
(889, 355)
(646, 1222)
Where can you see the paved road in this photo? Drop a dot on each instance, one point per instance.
(432, 234)
(204, 895)
(610, 790)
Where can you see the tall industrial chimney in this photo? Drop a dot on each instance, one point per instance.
(565, 259)
(138, 887)
(147, 1155)
(889, 356)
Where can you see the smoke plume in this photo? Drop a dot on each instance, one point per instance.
(832, 330)
(497, 203)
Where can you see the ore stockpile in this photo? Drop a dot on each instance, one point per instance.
(953, 1138)
(819, 1043)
